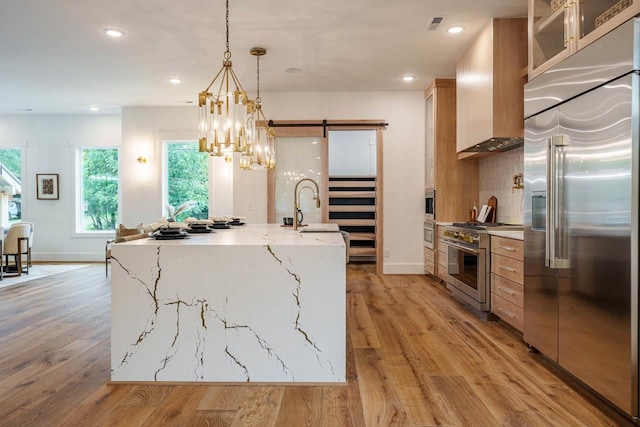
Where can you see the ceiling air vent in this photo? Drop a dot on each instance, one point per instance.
(434, 23)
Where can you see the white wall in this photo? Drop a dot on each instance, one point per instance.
(143, 131)
(403, 172)
(48, 143)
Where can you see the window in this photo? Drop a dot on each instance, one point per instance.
(187, 178)
(352, 152)
(11, 181)
(98, 208)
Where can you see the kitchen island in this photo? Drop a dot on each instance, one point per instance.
(255, 303)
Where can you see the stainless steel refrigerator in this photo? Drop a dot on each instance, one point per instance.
(581, 212)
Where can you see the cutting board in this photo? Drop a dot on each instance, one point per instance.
(493, 203)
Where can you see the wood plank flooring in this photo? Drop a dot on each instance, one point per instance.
(415, 357)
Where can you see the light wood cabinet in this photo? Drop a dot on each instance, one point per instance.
(429, 261)
(429, 159)
(442, 248)
(559, 28)
(507, 247)
(490, 84)
(507, 280)
(455, 182)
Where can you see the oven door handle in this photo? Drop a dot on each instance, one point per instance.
(462, 247)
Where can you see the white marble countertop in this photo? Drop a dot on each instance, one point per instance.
(256, 234)
(511, 234)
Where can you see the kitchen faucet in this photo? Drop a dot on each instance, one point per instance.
(296, 198)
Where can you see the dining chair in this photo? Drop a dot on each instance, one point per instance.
(16, 243)
(30, 241)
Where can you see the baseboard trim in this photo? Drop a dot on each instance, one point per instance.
(67, 257)
(417, 268)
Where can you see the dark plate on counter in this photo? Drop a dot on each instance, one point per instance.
(169, 231)
(171, 236)
(237, 223)
(220, 226)
(199, 230)
(198, 226)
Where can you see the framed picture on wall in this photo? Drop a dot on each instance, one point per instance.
(47, 186)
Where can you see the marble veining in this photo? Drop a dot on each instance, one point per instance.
(230, 312)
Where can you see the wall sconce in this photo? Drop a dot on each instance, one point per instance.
(142, 160)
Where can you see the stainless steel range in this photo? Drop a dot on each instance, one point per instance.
(468, 262)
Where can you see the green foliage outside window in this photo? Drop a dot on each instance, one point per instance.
(188, 178)
(100, 188)
(11, 158)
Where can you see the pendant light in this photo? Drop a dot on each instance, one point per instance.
(260, 148)
(223, 113)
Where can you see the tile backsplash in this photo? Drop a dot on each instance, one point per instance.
(496, 179)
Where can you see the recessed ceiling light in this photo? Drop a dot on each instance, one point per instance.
(409, 78)
(112, 32)
(175, 80)
(94, 109)
(293, 70)
(455, 30)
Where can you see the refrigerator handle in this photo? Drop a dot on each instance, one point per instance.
(556, 236)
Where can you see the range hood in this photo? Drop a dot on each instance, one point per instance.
(495, 145)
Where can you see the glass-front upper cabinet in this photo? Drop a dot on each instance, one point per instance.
(560, 28)
(597, 17)
(550, 23)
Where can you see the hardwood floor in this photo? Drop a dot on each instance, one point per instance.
(415, 358)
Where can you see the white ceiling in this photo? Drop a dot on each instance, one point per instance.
(55, 58)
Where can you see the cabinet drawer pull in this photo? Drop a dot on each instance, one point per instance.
(507, 248)
(511, 270)
(509, 314)
(507, 290)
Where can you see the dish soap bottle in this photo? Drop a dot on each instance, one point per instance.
(474, 212)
